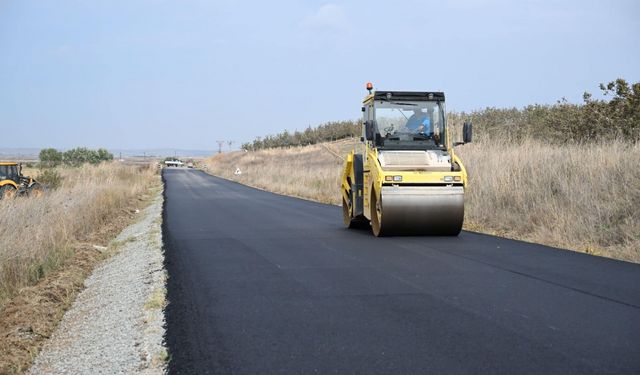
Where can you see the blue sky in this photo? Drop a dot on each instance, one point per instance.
(153, 73)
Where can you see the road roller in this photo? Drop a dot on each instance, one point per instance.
(405, 178)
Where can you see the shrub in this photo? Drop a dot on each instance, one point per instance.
(50, 178)
(81, 155)
(104, 155)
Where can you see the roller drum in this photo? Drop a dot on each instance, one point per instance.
(421, 210)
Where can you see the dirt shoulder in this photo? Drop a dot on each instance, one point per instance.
(116, 325)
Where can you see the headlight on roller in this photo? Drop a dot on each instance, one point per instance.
(393, 178)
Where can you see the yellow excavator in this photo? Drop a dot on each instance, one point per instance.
(407, 179)
(14, 183)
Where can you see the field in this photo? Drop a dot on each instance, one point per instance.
(37, 235)
(580, 197)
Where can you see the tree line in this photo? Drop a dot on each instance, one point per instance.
(50, 157)
(616, 116)
(326, 132)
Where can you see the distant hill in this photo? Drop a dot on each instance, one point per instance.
(27, 153)
(162, 152)
(32, 153)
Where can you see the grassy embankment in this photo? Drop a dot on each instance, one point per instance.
(580, 197)
(47, 248)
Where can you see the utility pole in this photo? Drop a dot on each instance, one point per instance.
(229, 143)
(220, 144)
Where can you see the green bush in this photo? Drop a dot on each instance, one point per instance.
(50, 157)
(81, 155)
(104, 155)
(50, 178)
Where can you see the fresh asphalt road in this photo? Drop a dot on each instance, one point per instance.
(262, 283)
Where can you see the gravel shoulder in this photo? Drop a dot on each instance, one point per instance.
(116, 324)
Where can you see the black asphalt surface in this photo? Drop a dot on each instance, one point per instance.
(262, 283)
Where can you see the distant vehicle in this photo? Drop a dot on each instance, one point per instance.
(189, 165)
(13, 183)
(173, 163)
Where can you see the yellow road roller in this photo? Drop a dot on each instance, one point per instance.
(406, 178)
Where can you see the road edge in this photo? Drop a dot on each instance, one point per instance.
(87, 338)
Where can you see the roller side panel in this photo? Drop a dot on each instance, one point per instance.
(357, 187)
(352, 192)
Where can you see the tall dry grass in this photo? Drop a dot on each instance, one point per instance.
(311, 172)
(580, 197)
(38, 234)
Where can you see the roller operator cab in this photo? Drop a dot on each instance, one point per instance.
(406, 179)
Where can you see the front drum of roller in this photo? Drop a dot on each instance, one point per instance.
(421, 210)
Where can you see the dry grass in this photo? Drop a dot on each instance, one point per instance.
(28, 319)
(157, 300)
(580, 197)
(30, 171)
(37, 235)
(48, 241)
(311, 172)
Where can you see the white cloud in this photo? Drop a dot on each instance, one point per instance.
(329, 17)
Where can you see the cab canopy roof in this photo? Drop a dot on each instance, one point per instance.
(8, 163)
(425, 96)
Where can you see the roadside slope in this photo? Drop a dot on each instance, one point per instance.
(116, 324)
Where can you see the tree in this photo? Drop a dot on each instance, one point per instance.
(329, 131)
(624, 107)
(81, 155)
(104, 155)
(50, 157)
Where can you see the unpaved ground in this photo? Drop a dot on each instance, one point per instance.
(116, 325)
